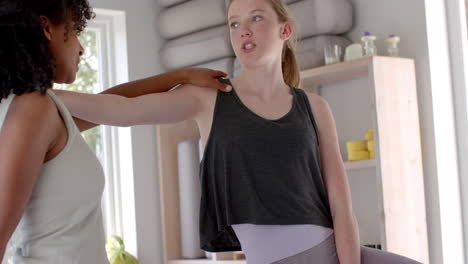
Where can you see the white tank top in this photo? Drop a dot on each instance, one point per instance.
(62, 222)
(264, 244)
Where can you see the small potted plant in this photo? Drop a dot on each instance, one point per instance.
(116, 253)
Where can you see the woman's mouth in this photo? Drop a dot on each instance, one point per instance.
(248, 46)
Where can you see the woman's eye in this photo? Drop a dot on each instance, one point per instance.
(234, 25)
(257, 18)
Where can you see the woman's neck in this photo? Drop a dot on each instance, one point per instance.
(264, 81)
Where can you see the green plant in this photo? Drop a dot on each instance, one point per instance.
(116, 253)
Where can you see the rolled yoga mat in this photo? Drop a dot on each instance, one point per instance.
(189, 198)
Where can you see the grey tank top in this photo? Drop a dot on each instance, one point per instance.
(62, 222)
(260, 171)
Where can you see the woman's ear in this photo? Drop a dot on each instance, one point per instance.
(286, 31)
(46, 27)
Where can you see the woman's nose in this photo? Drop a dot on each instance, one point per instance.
(246, 33)
(81, 50)
(245, 30)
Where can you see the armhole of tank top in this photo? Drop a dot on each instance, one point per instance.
(67, 119)
(308, 106)
(4, 114)
(213, 122)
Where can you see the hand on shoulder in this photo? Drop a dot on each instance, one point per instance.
(205, 78)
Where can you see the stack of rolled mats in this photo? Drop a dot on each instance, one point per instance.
(197, 35)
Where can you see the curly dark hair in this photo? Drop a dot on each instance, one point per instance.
(26, 63)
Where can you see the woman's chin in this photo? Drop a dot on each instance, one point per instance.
(65, 80)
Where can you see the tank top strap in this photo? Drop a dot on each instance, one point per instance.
(4, 106)
(67, 118)
(304, 103)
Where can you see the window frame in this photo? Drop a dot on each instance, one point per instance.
(458, 42)
(119, 197)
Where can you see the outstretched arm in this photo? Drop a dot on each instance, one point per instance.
(177, 105)
(162, 83)
(336, 181)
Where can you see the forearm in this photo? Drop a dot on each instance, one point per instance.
(115, 110)
(107, 109)
(347, 238)
(161, 83)
(154, 84)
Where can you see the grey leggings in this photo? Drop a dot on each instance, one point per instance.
(325, 253)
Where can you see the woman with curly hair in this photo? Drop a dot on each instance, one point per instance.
(50, 182)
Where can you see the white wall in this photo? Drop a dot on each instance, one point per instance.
(408, 19)
(143, 61)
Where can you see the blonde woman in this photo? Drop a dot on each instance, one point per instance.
(272, 178)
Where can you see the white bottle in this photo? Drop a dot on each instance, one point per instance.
(392, 45)
(368, 41)
(353, 51)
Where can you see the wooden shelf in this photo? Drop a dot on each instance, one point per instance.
(335, 73)
(206, 261)
(360, 164)
(344, 71)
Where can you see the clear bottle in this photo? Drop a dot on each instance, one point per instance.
(368, 41)
(392, 45)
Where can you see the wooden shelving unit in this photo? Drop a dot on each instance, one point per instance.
(397, 163)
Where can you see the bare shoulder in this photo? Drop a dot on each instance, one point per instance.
(324, 118)
(33, 105)
(34, 113)
(319, 105)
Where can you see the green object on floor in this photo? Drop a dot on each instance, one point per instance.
(116, 253)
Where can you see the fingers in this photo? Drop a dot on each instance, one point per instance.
(221, 86)
(219, 74)
(216, 83)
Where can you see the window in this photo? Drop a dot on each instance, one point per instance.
(452, 47)
(103, 65)
(88, 81)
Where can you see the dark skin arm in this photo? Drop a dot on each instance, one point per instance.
(163, 83)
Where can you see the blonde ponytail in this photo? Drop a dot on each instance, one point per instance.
(290, 66)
